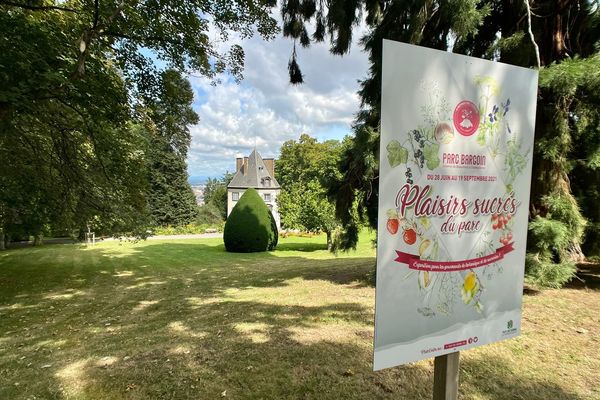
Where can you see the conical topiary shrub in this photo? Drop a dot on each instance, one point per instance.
(250, 227)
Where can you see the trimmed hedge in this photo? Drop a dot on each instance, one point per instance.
(250, 227)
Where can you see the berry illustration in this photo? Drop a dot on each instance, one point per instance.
(393, 222)
(392, 225)
(499, 221)
(409, 236)
(506, 238)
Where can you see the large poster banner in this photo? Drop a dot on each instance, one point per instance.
(455, 169)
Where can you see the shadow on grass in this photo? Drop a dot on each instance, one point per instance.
(304, 247)
(52, 268)
(494, 378)
(185, 321)
(588, 277)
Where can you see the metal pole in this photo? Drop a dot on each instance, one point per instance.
(445, 377)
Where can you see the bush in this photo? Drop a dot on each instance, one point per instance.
(250, 227)
(209, 214)
(189, 229)
(547, 263)
(543, 274)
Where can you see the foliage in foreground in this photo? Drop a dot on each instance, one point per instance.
(250, 227)
(87, 116)
(568, 117)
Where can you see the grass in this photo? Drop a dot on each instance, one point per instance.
(182, 319)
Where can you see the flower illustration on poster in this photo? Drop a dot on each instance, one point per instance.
(420, 154)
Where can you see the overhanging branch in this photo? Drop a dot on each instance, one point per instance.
(36, 8)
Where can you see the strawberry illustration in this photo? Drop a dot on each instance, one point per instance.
(393, 222)
(392, 225)
(409, 236)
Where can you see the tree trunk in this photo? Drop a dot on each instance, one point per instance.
(2, 245)
(576, 253)
(329, 242)
(550, 169)
(38, 239)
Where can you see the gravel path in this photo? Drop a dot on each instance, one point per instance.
(177, 237)
(109, 239)
(191, 236)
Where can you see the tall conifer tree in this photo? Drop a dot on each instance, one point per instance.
(171, 200)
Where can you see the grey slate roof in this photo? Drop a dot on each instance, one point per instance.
(254, 175)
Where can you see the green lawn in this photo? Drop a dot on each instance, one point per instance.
(185, 320)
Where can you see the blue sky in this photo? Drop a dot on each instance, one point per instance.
(264, 109)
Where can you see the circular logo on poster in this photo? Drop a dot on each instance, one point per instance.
(466, 118)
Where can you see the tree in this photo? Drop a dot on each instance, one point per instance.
(356, 191)
(215, 193)
(209, 214)
(307, 159)
(304, 169)
(171, 200)
(305, 206)
(78, 83)
(565, 30)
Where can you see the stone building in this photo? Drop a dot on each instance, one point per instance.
(258, 173)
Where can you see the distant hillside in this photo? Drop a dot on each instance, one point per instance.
(197, 180)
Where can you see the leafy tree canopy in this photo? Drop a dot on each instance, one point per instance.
(566, 35)
(85, 107)
(304, 169)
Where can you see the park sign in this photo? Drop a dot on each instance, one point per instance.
(455, 169)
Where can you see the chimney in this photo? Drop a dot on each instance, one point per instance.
(238, 163)
(270, 164)
(245, 165)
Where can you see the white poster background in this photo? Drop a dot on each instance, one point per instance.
(473, 122)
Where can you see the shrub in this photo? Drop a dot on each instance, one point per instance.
(541, 273)
(189, 229)
(250, 227)
(209, 214)
(547, 263)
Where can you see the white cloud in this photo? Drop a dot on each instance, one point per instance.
(265, 109)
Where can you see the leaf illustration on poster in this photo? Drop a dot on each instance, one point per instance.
(455, 170)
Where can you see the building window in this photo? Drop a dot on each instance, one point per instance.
(235, 196)
(267, 196)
